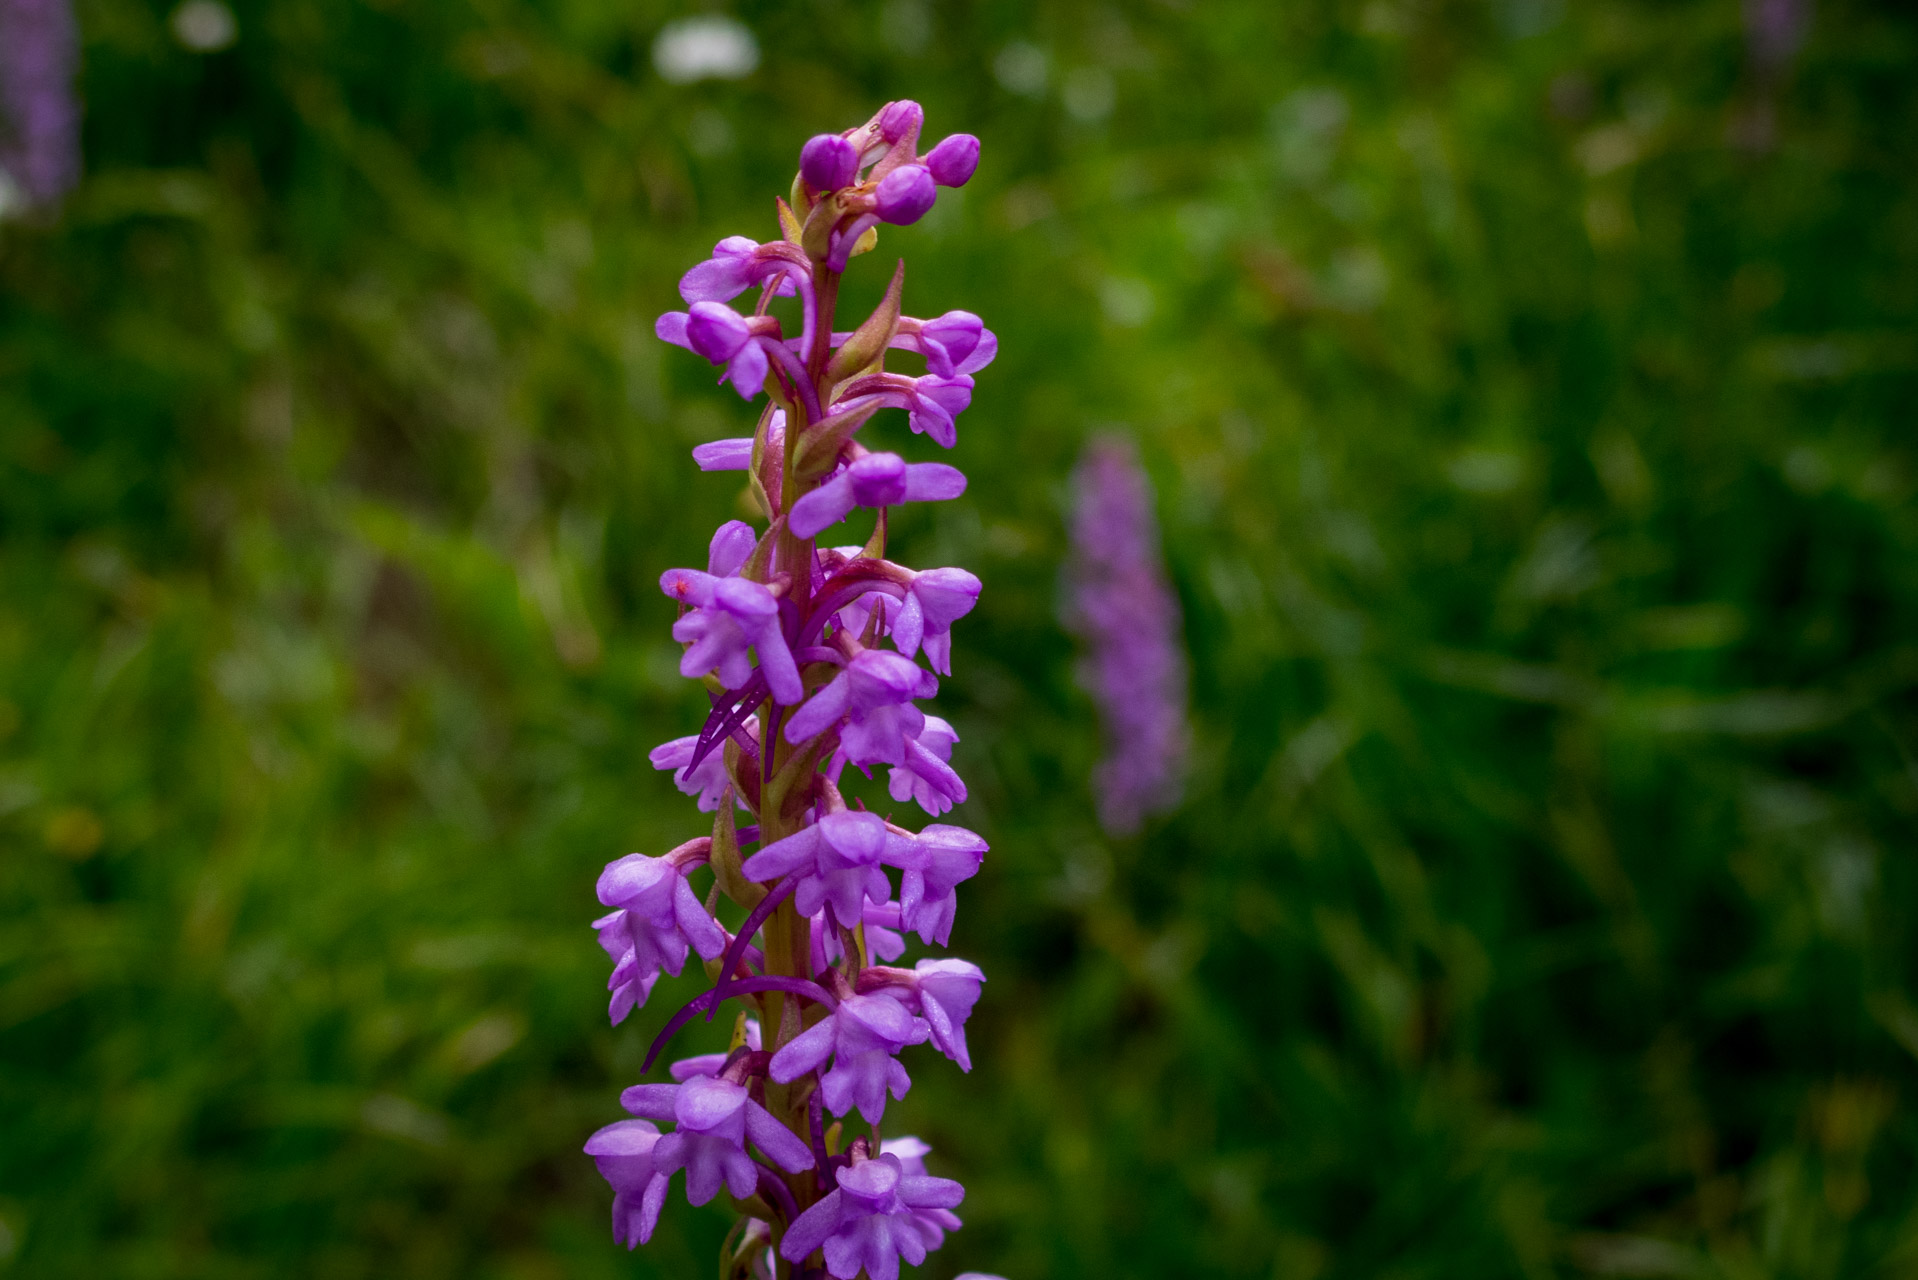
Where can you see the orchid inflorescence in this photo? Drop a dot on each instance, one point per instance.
(809, 657)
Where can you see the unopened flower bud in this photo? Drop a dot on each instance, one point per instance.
(829, 162)
(904, 195)
(954, 160)
(901, 119)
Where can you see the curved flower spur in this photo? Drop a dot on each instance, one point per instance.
(810, 656)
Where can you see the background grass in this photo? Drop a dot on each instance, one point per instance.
(1529, 391)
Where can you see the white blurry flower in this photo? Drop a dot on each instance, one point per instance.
(205, 26)
(704, 48)
(1023, 68)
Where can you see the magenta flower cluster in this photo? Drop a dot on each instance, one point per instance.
(810, 657)
(1118, 601)
(39, 115)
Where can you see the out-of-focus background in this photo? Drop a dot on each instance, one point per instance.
(1528, 387)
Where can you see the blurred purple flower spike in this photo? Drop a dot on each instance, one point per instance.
(39, 115)
(1118, 601)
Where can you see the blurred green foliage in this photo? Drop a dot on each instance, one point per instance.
(1529, 388)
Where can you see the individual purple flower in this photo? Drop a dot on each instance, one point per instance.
(707, 779)
(948, 989)
(934, 600)
(1118, 601)
(737, 265)
(725, 337)
(905, 195)
(940, 858)
(658, 916)
(876, 480)
(631, 983)
(39, 47)
(730, 616)
(863, 1037)
(838, 861)
(623, 1152)
(926, 778)
(955, 343)
(874, 696)
(829, 161)
(727, 342)
(932, 1224)
(953, 162)
(932, 403)
(868, 1221)
(715, 1117)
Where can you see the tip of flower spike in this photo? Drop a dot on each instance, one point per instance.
(904, 195)
(954, 160)
(829, 162)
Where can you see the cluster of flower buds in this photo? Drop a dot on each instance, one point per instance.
(809, 656)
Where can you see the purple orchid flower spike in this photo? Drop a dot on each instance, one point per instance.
(623, 1151)
(809, 655)
(715, 1117)
(868, 1221)
(876, 480)
(874, 697)
(863, 1037)
(837, 863)
(942, 857)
